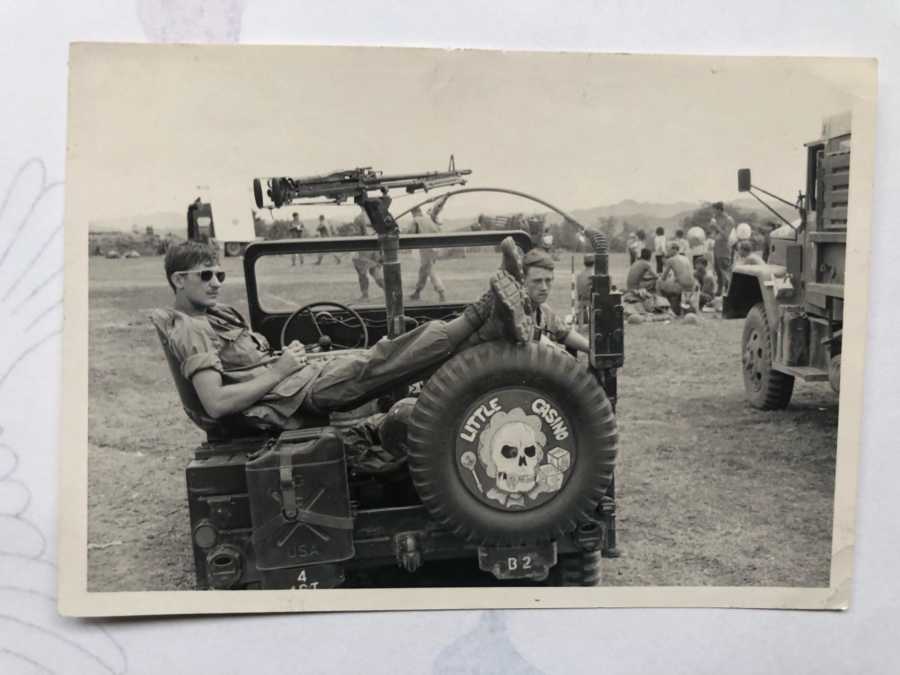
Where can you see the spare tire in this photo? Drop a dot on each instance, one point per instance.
(510, 445)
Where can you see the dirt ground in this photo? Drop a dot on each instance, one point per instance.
(710, 491)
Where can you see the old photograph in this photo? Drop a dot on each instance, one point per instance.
(366, 319)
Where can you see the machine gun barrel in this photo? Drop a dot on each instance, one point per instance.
(350, 184)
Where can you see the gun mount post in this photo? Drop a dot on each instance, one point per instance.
(377, 209)
(606, 321)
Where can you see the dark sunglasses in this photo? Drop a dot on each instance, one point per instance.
(207, 275)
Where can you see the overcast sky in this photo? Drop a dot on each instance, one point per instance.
(148, 124)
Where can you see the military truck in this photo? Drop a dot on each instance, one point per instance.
(505, 452)
(200, 225)
(231, 228)
(793, 305)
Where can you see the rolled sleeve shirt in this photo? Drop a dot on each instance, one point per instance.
(220, 340)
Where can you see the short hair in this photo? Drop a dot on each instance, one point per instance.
(679, 234)
(295, 215)
(641, 234)
(719, 206)
(660, 231)
(537, 257)
(646, 253)
(744, 247)
(321, 216)
(186, 255)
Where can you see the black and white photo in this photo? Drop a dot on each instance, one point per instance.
(362, 325)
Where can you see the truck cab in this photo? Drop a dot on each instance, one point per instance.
(793, 305)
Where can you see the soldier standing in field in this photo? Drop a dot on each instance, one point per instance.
(427, 256)
(296, 231)
(366, 263)
(324, 230)
(659, 248)
(723, 226)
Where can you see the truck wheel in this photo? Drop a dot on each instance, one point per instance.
(232, 248)
(577, 569)
(767, 389)
(512, 445)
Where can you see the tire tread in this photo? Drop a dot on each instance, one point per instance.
(429, 419)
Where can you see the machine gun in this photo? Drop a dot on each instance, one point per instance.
(355, 184)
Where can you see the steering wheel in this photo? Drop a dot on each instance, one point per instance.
(331, 305)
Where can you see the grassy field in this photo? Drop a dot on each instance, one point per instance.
(710, 491)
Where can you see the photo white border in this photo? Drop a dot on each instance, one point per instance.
(75, 600)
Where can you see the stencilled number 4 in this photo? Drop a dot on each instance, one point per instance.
(301, 581)
(512, 564)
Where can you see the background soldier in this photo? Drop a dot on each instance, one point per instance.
(427, 256)
(677, 278)
(659, 248)
(297, 231)
(323, 229)
(366, 263)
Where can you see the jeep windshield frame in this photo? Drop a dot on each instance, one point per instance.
(260, 318)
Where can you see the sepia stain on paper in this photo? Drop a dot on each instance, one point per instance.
(214, 21)
(33, 637)
(486, 649)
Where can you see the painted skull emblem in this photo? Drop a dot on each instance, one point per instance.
(512, 452)
(515, 450)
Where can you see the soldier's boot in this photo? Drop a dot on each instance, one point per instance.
(510, 307)
(511, 259)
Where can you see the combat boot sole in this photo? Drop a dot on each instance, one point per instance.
(509, 306)
(511, 259)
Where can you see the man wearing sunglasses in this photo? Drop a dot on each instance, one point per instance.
(235, 373)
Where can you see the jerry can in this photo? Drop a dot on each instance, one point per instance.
(300, 501)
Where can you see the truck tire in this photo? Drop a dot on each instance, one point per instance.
(767, 389)
(512, 445)
(577, 569)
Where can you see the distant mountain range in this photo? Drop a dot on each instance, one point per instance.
(643, 214)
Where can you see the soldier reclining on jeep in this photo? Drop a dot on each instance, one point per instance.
(234, 371)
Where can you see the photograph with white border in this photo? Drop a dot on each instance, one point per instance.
(546, 329)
